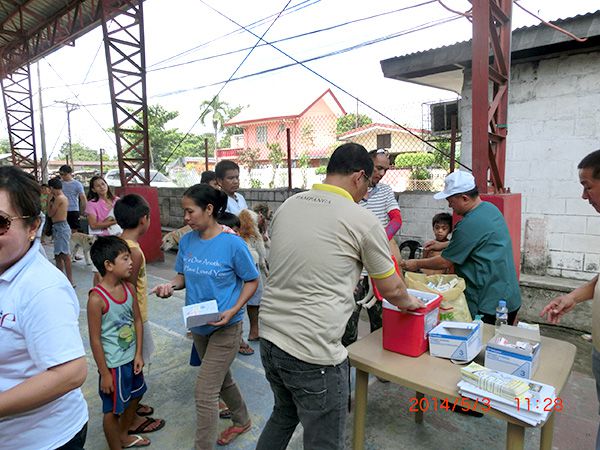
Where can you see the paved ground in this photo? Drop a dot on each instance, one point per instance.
(389, 424)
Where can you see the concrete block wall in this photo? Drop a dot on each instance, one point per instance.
(417, 209)
(554, 106)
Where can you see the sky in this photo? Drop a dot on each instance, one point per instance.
(185, 32)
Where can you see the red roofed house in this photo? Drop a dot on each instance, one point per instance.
(312, 128)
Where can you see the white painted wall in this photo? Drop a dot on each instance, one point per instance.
(554, 121)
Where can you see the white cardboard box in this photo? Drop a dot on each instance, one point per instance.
(200, 314)
(459, 341)
(516, 361)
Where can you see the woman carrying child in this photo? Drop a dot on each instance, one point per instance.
(213, 265)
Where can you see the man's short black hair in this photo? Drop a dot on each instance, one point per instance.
(229, 220)
(65, 168)
(443, 218)
(107, 248)
(55, 183)
(207, 176)
(473, 193)
(223, 166)
(349, 158)
(130, 209)
(591, 161)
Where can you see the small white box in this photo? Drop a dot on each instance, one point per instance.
(522, 362)
(459, 341)
(200, 314)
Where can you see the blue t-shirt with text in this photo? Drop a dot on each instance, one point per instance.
(214, 269)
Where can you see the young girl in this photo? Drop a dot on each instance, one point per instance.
(213, 265)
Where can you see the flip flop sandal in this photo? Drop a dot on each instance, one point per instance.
(246, 350)
(144, 426)
(231, 433)
(136, 442)
(149, 410)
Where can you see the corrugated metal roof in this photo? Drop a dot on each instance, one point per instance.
(528, 43)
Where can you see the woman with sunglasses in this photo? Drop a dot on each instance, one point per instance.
(42, 359)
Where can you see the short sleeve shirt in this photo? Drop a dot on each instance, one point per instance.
(214, 269)
(319, 242)
(100, 210)
(481, 251)
(39, 329)
(380, 202)
(236, 204)
(72, 189)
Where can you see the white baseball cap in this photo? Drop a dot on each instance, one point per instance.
(456, 183)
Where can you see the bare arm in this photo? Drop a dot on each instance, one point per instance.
(435, 262)
(99, 224)
(138, 361)
(394, 291)
(166, 290)
(82, 201)
(247, 291)
(435, 246)
(43, 387)
(561, 305)
(95, 307)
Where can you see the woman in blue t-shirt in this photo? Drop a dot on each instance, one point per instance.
(212, 265)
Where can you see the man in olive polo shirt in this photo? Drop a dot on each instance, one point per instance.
(320, 241)
(480, 250)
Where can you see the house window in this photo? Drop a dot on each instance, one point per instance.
(261, 134)
(281, 128)
(384, 140)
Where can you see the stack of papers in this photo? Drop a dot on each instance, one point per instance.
(531, 401)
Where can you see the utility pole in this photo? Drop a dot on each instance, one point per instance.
(44, 171)
(101, 163)
(70, 108)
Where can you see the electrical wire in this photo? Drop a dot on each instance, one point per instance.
(551, 25)
(222, 87)
(335, 84)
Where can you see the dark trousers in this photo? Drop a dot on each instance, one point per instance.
(77, 442)
(375, 311)
(314, 395)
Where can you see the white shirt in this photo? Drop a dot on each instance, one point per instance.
(39, 329)
(236, 203)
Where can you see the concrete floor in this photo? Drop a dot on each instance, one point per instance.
(389, 424)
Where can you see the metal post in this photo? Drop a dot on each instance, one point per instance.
(44, 165)
(126, 65)
(69, 111)
(101, 162)
(18, 107)
(289, 157)
(452, 142)
(205, 153)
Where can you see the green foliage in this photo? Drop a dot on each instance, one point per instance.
(442, 158)
(249, 158)
(255, 183)
(321, 170)
(219, 113)
(4, 146)
(414, 159)
(351, 121)
(303, 160)
(420, 173)
(276, 158)
(307, 135)
(81, 152)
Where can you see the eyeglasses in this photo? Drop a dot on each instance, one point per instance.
(5, 222)
(366, 178)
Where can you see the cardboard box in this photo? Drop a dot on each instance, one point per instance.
(459, 341)
(522, 362)
(200, 314)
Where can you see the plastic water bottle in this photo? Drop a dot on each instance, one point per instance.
(501, 314)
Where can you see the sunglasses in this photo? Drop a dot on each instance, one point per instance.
(5, 222)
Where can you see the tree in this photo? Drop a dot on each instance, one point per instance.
(218, 112)
(4, 146)
(351, 121)
(276, 158)
(81, 152)
(231, 131)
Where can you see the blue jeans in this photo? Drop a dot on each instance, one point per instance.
(314, 395)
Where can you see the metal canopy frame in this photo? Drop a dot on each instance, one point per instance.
(126, 64)
(18, 104)
(491, 31)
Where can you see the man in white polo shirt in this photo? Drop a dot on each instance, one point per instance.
(320, 241)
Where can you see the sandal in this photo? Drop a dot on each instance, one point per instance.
(224, 411)
(146, 426)
(144, 410)
(245, 349)
(232, 432)
(138, 442)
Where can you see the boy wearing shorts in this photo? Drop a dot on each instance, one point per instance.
(116, 338)
(61, 232)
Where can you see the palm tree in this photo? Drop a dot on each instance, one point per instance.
(218, 110)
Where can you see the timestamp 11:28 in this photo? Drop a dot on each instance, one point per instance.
(547, 404)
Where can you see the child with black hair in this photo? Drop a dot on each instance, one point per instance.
(116, 338)
(442, 227)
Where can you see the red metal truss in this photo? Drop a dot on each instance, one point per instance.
(126, 64)
(18, 105)
(491, 35)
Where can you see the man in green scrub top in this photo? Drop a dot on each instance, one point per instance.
(480, 250)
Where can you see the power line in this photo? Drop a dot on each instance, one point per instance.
(335, 84)
(223, 87)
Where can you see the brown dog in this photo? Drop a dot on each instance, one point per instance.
(172, 238)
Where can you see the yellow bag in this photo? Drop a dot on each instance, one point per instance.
(454, 303)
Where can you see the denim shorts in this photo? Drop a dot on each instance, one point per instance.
(61, 234)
